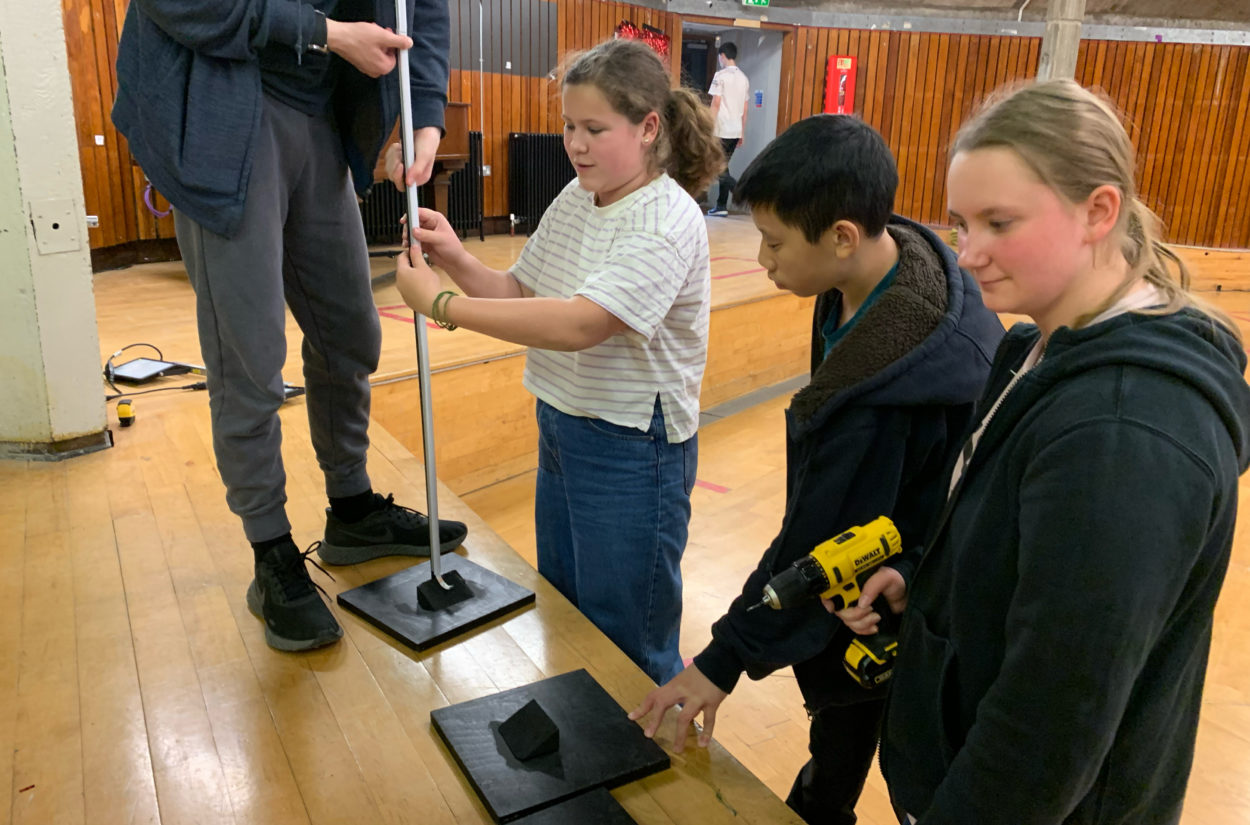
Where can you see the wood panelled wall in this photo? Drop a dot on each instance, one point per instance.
(916, 89)
(1187, 106)
(513, 102)
(112, 185)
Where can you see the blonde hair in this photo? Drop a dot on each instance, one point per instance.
(1074, 142)
(635, 83)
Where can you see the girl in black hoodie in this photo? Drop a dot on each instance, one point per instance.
(1056, 632)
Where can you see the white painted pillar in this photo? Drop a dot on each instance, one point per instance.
(1061, 39)
(51, 401)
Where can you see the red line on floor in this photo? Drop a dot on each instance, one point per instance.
(394, 317)
(731, 258)
(407, 319)
(736, 274)
(707, 485)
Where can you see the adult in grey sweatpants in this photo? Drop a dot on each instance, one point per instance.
(300, 243)
(255, 118)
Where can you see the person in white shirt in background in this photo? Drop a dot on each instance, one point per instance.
(729, 91)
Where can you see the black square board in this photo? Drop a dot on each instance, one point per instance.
(391, 603)
(599, 746)
(596, 807)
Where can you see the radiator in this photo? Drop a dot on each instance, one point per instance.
(538, 169)
(381, 211)
(384, 206)
(464, 201)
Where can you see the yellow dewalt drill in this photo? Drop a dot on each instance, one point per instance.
(836, 570)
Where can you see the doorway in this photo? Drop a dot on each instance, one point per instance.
(759, 58)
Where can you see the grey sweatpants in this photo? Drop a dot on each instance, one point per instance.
(301, 243)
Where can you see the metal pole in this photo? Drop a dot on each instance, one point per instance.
(423, 348)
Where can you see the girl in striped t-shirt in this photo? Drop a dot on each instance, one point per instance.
(611, 294)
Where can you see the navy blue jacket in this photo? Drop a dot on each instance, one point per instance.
(189, 92)
(1055, 640)
(870, 435)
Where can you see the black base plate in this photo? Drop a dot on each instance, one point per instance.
(597, 807)
(391, 603)
(599, 746)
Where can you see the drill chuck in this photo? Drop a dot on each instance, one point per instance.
(803, 580)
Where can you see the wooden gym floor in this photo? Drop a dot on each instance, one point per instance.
(135, 687)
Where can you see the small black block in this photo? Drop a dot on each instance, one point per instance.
(432, 596)
(530, 732)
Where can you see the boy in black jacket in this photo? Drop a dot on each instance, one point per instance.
(901, 346)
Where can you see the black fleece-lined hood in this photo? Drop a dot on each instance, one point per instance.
(937, 329)
(1188, 346)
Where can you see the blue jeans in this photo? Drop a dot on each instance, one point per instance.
(612, 511)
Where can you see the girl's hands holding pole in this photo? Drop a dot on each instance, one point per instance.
(439, 240)
(417, 283)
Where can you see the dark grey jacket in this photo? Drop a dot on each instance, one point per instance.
(189, 92)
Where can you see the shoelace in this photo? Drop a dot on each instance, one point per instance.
(407, 516)
(295, 583)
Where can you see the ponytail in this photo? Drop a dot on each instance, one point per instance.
(695, 156)
(1153, 261)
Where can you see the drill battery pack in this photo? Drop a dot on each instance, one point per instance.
(870, 659)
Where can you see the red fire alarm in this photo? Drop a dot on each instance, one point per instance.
(840, 85)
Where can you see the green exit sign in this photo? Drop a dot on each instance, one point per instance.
(755, 2)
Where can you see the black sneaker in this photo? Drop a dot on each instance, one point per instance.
(390, 530)
(286, 599)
